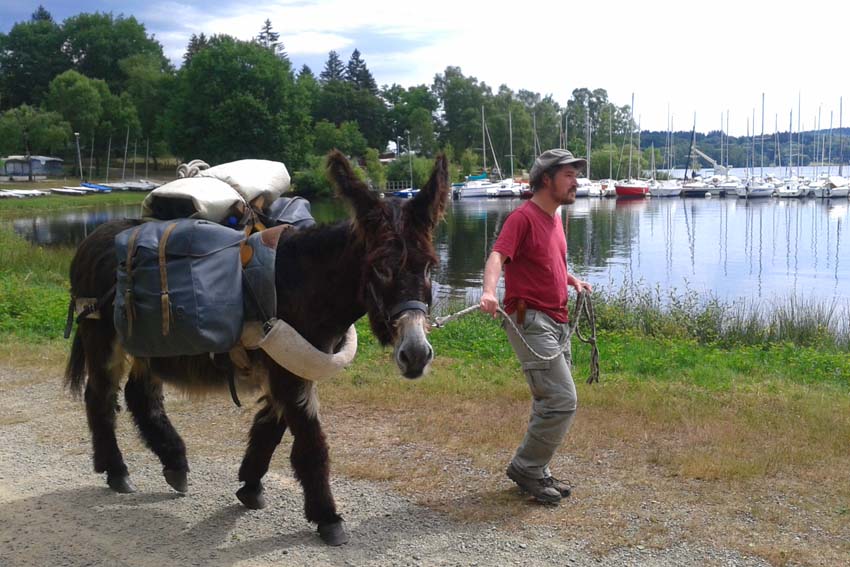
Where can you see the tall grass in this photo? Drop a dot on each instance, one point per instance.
(33, 288)
(709, 320)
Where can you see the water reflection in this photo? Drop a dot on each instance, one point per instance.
(729, 247)
(68, 228)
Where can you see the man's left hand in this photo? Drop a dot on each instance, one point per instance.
(580, 286)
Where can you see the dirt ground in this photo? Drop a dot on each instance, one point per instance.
(55, 511)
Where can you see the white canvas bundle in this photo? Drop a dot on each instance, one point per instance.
(212, 199)
(252, 178)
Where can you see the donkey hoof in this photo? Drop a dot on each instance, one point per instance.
(252, 496)
(178, 480)
(120, 484)
(333, 534)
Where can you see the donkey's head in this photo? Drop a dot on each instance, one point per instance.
(395, 282)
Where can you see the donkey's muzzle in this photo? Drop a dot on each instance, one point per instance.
(413, 353)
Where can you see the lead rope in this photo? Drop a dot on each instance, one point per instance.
(584, 307)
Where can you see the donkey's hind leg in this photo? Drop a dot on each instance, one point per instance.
(266, 433)
(143, 394)
(105, 370)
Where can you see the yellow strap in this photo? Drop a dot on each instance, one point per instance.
(163, 281)
(128, 293)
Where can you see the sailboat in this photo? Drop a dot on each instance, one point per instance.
(510, 187)
(480, 185)
(586, 187)
(632, 188)
(757, 187)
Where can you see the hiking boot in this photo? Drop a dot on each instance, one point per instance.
(563, 487)
(541, 489)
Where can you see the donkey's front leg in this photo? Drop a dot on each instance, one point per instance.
(266, 433)
(309, 457)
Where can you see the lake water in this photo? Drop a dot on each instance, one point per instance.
(727, 247)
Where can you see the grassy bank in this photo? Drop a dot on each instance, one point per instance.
(15, 207)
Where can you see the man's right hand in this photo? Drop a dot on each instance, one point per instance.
(489, 304)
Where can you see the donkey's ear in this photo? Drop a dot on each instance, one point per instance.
(427, 207)
(349, 185)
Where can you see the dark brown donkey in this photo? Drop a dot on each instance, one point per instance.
(327, 277)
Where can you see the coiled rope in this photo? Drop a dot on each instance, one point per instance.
(583, 308)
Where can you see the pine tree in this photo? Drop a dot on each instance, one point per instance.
(305, 72)
(334, 70)
(41, 15)
(358, 74)
(196, 44)
(270, 39)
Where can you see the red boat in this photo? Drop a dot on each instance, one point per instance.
(631, 189)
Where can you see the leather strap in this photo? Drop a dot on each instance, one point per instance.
(128, 293)
(165, 303)
(402, 306)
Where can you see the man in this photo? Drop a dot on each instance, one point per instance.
(532, 248)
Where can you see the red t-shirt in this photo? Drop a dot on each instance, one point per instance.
(535, 250)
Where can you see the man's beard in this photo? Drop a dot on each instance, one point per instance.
(568, 199)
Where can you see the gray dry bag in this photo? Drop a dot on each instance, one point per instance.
(179, 288)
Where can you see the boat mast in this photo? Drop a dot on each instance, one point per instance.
(829, 160)
(640, 156)
(672, 152)
(840, 135)
(631, 131)
(818, 139)
(762, 137)
(799, 134)
(587, 129)
(790, 142)
(511, 143)
(721, 139)
(483, 140)
(753, 144)
(611, 142)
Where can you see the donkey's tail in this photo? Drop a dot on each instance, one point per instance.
(75, 371)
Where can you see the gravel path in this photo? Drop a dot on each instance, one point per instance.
(55, 512)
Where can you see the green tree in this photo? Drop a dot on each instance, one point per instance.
(351, 141)
(77, 99)
(98, 42)
(341, 101)
(399, 170)
(236, 99)
(375, 170)
(469, 163)
(270, 39)
(30, 56)
(32, 131)
(334, 70)
(325, 137)
(148, 87)
(196, 44)
(359, 75)
(412, 110)
(93, 111)
(461, 99)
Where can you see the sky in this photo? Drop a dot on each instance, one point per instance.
(693, 62)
